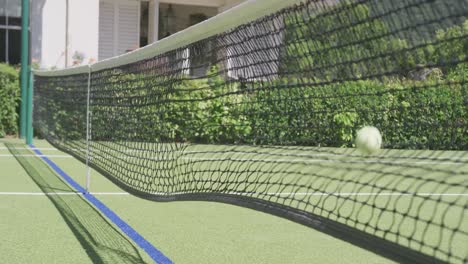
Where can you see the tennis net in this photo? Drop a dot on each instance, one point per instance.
(259, 106)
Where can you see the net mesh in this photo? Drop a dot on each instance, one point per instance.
(264, 115)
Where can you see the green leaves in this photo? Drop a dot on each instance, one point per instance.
(340, 68)
(9, 100)
(452, 44)
(346, 125)
(204, 111)
(410, 114)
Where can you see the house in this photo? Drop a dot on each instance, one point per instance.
(71, 32)
(10, 31)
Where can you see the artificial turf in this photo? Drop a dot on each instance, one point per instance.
(36, 229)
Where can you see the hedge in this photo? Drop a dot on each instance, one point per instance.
(322, 95)
(9, 100)
(410, 113)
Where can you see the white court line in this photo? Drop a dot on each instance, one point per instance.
(292, 154)
(248, 193)
(109, 193)
(329, 194)
(36, 193)
(227, 159)
(314, 154)
(58, 193)
(35, 155)
(281, 153)
(369, 194)
(384, 158)
(382, 161)
(31, 148)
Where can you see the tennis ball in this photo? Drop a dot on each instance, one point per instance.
(368, 139)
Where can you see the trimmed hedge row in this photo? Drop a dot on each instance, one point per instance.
(410, 113)
(352, 43)
(353, 72)
(9, 100)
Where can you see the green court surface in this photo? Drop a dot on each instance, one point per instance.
(64, 228)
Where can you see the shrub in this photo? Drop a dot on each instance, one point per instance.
(410, 114)
(199, 110)
(9, 100)
(342, 45)
(452, 45)
(339, 72)
(356, 42)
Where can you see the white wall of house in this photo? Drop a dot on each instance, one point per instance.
(83, 29)
(48, 31)
(119, 24)
(182, 14)
(98, 29)
(210, 3)
(153, 17)
(229, 4)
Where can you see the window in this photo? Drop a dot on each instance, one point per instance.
(144, 23)
(196, 59)
(119, 27)
(10, 31)
(254, 58)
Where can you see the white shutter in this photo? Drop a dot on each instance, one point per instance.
(128, 25)
(119, 27)
(255, 58)
(106, 30)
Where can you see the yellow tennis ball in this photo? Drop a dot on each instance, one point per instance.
(368, 139)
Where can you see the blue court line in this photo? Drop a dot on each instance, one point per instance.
(153, 252)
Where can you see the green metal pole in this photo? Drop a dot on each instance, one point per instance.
(24, 65)
(29, 127)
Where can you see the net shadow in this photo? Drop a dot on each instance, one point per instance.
(266, 126)
(102, 242)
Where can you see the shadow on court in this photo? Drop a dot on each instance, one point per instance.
(101, 241)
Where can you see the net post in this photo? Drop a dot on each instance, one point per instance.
(29, 108)
(24, 67)
(88, 131)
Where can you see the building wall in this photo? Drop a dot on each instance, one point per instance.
(182, 15)
(48, 28)
(48, 31)
(10, 31)
(211, 3)
(84, 29)
(119, 27)
(230, 4)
